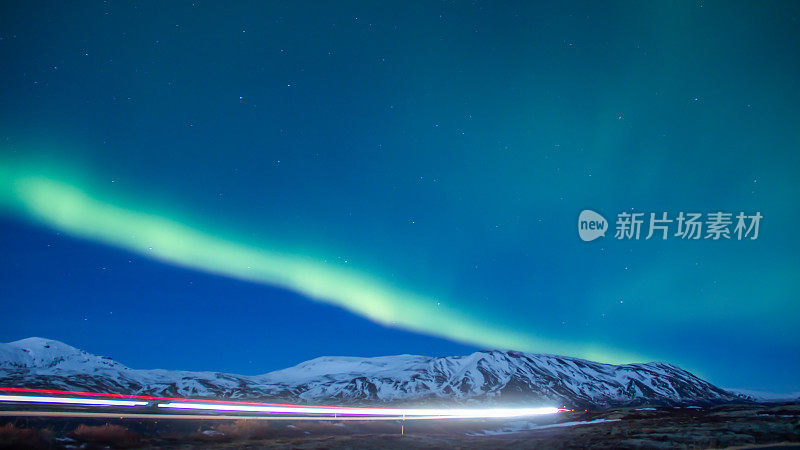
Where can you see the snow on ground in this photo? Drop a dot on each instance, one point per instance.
(517, 427)
(768, 397)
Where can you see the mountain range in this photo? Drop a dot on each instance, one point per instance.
(486, 377)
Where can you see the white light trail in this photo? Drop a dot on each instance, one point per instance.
(279, 411)
(69, 401)
(393, 412)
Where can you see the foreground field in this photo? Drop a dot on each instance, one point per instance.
(747, 426)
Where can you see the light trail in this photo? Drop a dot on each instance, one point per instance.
(108, 415)
(150, 397)
(69, 401)
(394, 412)
(274, 410)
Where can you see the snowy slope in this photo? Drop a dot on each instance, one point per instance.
(486, 377)
(768, 397)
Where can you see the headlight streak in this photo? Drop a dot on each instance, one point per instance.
(69, 401)
(191, 416)
(151, 397)
(321, 412)
(394, 412)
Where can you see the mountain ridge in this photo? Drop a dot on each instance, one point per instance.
(485, 377)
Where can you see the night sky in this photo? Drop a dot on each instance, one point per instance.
(240, 187)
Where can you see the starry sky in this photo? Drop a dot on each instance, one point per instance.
(242, 187)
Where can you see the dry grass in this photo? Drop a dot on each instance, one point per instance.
(12, 436)
(242, 430)
(111, 435)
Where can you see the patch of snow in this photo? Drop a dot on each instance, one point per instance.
(768, 397)
(518, 427)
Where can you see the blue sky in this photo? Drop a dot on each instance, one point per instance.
(411, 174)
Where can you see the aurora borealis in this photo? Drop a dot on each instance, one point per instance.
(401, 177)
(65, 207)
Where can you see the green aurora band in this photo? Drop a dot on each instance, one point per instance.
(38, 196)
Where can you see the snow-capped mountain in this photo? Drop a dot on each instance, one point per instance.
(485, 377)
